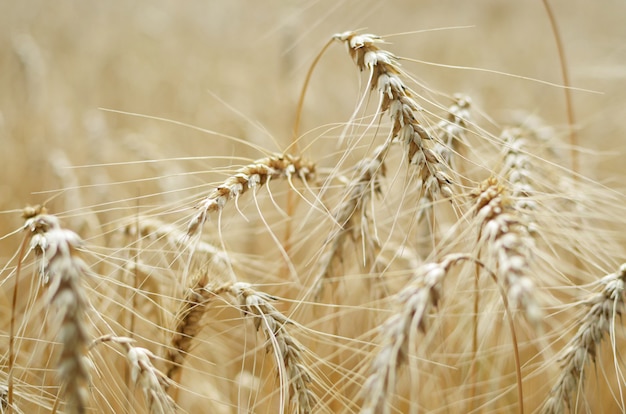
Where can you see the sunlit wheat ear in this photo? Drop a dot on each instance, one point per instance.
(603, 309)
(188, 325)
(506, 243)
(63, 272)
(143, 373)
(352, 210)
(252, 176)
(294, 375)
(396, 99)
(416, 300)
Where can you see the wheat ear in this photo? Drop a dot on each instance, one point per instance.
(397, 100)
(518, 170)
(188, 318)
(144, 374)
(252, 176)
(505, 237)
(294, 375)
(599, 320)
(62, 270)
(416, 300)
(358, 192)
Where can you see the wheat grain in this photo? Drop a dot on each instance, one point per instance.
(518, 170)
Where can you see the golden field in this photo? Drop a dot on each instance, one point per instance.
(436, 236)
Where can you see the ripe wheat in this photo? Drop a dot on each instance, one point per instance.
(440, 260)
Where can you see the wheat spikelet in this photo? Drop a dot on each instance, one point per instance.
(252, 176)
(599, 320)
(451, 132)
(63, 272)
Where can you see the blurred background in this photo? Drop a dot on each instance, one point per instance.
(236, 68)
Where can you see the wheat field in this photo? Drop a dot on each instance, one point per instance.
(312, 207)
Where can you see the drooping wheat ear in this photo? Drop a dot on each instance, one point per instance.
(505, 238)
(416, 300)
(352, 210)
(189, 318)
(385, 76)
(294, 375)
(144, 374)
(62, 270)
(599, 320)
(252, 176)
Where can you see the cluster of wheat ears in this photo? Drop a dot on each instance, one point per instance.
(435, 260)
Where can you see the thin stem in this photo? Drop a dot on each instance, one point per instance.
(567, 90)
(12, 326)
(474, 338)
(293, 147)
(296, 125)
